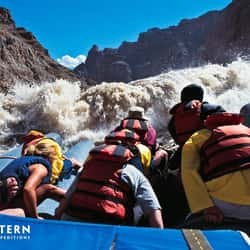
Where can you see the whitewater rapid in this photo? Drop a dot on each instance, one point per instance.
(76, 113)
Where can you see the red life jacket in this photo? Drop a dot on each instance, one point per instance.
(139, 126)
(222, 119)
(228, 148)
(187, 122)
(100, 195)
(123, 136)
(33, 141)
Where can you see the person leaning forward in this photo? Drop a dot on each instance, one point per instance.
(107, 190)
(215, 169)
(61, 166)
(23, 181)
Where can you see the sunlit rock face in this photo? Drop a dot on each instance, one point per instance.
(216, 37)
(23, 58)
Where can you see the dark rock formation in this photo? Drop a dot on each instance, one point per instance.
(22, 57)
(216, 37)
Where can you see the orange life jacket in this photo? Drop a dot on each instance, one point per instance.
(228, 148)
(123, 136)
(100, 195)
(139, 126)
(187, 122)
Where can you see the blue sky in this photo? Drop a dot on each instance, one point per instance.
(71, 27)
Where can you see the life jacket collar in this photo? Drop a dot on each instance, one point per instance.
(222, 119)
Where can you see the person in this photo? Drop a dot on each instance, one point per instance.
(187, 117)
(142, 157)
(61, 166)
(23, 180)
(245, 112)
(137, 122)
(108, 188)
(215, 169)
(189, 114)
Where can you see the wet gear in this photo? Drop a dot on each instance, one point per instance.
(100, 194)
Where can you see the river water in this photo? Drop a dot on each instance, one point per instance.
(65, 108)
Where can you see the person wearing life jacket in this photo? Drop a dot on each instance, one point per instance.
(187, 117)
(215, 169)
(107, 190)
(142, 158)
(61, 167)
(137, 122)
(189, 114)
(21, 179)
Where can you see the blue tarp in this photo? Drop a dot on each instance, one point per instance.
(48, 234)
(59, 235)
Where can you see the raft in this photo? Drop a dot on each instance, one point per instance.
(49, 234)
(27, 233)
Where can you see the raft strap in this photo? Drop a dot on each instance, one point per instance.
(196, 240)
(8, 157)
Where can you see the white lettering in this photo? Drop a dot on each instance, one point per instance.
(26, 229)
(9, 229)
(16, 229)
(2, 228)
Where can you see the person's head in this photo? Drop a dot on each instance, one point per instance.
(32, 135)
(192, 92)
(41, 149)
(245, 112)
(136, 112)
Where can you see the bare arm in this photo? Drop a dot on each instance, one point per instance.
(155, 219)
(60, 209)
(64, 201)
(37, 173)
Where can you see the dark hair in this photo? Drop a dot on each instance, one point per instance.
(192, 92)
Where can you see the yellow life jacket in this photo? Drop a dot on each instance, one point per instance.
(146, 157)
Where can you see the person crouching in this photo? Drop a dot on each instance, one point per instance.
(22, 179)
(107, 190)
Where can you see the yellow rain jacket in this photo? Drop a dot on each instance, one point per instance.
(233, 187)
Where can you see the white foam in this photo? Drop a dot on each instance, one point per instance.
(74, 113)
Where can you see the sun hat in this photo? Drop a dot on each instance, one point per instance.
(136, 112)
